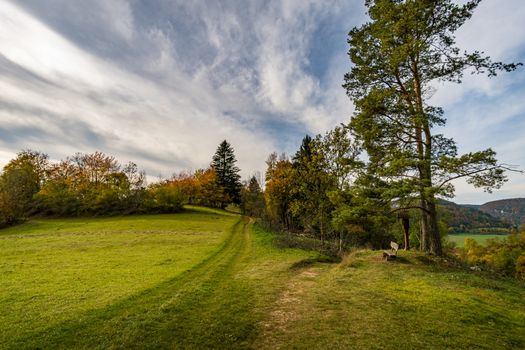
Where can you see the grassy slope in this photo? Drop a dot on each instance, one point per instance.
(53, 271)
(218, 284)
(412, 303)
(234, 289)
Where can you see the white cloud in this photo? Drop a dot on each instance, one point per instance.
(119, 16)
(164, 87)
(132, 116)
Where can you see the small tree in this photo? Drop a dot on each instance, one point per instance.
(278, 192)
(227, 174)
(312, 182)
(21, 179)
(252, 199)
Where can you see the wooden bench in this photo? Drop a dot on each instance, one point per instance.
(392, 253)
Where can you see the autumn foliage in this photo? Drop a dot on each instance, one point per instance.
(97, 184)
(504, 256)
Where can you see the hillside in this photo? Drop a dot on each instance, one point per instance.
(510, 210)
(209, 279)
(461, 218)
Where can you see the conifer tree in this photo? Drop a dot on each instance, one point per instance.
(310, 202)
(398, 55)
(252, 198)
(227, 173)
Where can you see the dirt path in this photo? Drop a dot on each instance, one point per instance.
(287, 309)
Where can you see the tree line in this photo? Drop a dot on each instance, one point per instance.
(398, 58)
(97, 184)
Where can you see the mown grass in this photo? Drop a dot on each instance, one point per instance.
(56, 270)
(228, 286)
(198, 279)
(411, 303)
(459, 238)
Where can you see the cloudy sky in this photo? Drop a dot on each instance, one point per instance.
(163, 82)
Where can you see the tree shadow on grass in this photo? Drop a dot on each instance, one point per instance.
(402, 260)
(312, 261)
(425, 260)
(172, 312)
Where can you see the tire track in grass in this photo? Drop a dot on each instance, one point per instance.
(201, 307)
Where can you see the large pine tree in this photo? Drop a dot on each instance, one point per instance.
(398, 56)
(227, 173)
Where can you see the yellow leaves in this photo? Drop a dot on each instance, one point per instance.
(502, 256)
(520, 267)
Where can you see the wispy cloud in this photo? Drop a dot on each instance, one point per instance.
(171, 83)
(163, 82)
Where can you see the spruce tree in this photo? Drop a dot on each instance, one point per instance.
(227, 174)
(252, 198)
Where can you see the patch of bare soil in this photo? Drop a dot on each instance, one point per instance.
(286, 309)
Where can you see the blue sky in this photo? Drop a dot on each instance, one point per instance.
(161, 83)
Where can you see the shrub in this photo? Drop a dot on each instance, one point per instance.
(164, 198)
(506, 257)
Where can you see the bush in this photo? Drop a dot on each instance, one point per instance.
(506, 257)
(164, 198)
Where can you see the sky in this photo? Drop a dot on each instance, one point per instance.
(162, 83)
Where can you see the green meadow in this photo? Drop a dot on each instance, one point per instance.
(459, 238)
(211, 279)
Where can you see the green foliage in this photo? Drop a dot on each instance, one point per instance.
(297, 191)
(21, 179)
(97, 184)
(163, 198)
(340, 155)
(362, 216)
(227, 172)
(92, 184)
(85, 184)
(398, 56)
(505, 256)
(252, 199)
(311, 184)
(304, 194)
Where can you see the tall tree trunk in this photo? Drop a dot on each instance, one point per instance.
(425, 239)
(430, 239)
(322, 228)
(435, 237)
(405, 221)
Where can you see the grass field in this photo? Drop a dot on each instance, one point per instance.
(57, 270)
(459, 238)
(209, 279)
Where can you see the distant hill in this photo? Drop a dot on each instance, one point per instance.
(473, 206)
(463, 218)
(510, 210)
